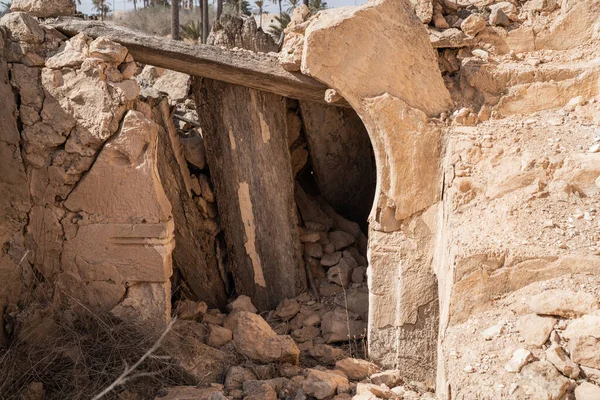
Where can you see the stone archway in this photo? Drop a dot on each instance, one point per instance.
(378, 57)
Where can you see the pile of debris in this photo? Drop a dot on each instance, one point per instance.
(278, 364)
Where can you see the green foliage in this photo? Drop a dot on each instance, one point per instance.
(282, 22)
(317, 5)
(231, 7)
(192, 31)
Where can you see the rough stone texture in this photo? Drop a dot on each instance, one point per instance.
(45, 8)
(232, 31)
(356, 369)
(246, 143)
(535, 329)
(124, 207)
(322, 384)
(563, 303)
(587, 391)
(254, 338)
(542, 380)
(403, 311)
(14, 196)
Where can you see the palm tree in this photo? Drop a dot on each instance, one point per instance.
(293, 4)
(192, 31)
(102, 7)
(260, 4)
(175, 20)
(282, 22)
(134, 4)
(204, 21)
(316, 5)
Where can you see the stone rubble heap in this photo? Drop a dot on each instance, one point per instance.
(278, 365)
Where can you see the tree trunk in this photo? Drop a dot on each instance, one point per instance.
(280, 11)
(194, 255)
(219, 9)
(134, 5)
(204, 21)
(175, 20)
(247, 150)
(260, 18)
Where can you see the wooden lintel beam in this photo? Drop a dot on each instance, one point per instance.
(241, 67)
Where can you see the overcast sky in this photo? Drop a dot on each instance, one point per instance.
(120, 5)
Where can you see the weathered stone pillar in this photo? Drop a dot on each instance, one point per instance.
(246, 143)
(394, 84)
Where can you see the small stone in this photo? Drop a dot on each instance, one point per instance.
(215, 318)
(563, 303)
(592, 374)
(542, 381)
(391, 378)
(519, 359)
(493, 332)
(326, 354)
(358, 275)
(310, 237)
(107, 50)
(261, 392)
(466, 116)
(594, 148)
(535, 329)
(255, 339)
(340, 274)
(242, 303)
(287, 309)
(332, 96)
(311, 320)
(379, 391)
(473, 24)
(218, 336)
(341, 326)
(341, 239)
(306, 333)
(356, 369)
(329, 260)
(322, 384)
(236, 376)
(507, 8)
(587, 391)
(557, 356)
(188, 309)
(469, 369)
(313, 250)
(585, 350)
(498, 17)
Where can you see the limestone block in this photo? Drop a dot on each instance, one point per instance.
(123, 186)
(45, 8)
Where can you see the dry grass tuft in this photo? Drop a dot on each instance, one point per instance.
(83, 356)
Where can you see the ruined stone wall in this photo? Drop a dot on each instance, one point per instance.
(95, 186)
